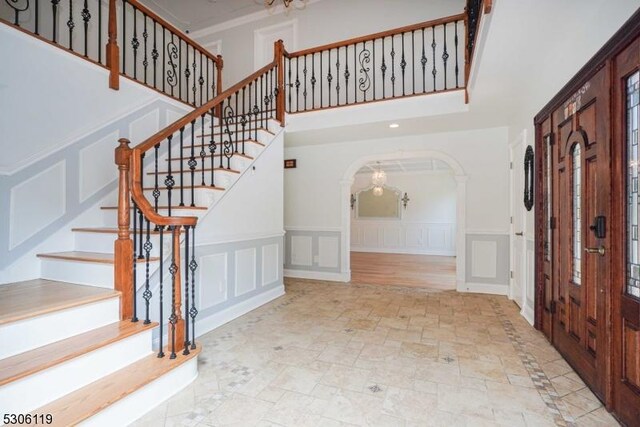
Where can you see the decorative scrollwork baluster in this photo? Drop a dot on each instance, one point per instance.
(329, 77)
(18, 6)
(228, 132)
(304, 74)
(135, 43)
(71, 25)
(364, 81)
(347, 74)
(86, 17)
(445, 56)
(145, 38)
(403, 66)
(172, 75)
(393, 67)
(423, 61)
(383, 69)
(434, 72)
(338, 76)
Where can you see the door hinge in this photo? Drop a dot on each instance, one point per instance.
(511, 220)
(552, 307)
(511, 165)
(511, 274)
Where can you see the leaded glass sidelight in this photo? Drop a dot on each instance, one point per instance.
(547, 197)
(633, 253)
(577, 214)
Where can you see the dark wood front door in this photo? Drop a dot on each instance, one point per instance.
(626, 292)
(581, 256)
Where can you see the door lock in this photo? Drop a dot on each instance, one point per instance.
(600, 250)
(599, 227)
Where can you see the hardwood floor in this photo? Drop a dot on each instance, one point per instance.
(417, 271)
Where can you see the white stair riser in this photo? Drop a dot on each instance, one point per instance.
(237, 163)
(202, 198)
(84, 273)
(134, 406)
(25, 335)
(36, 390)
(103, 242)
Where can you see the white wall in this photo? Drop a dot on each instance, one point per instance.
(426, 225)
(313, 201)
(322, 22)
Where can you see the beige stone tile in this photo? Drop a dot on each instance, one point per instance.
(409, 404)
(419, 351)
(354, 408)
(240, 410)
(339, 355)
(467, 401)
(364, 324)
(346, 378)
(302, 380)
(485, 370)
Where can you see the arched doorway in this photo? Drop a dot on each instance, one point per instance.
(460, 178)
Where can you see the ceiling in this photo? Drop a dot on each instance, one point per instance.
(406, 166)
(197, 14)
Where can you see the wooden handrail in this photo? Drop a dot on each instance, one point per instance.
(406, 29)
(176, 31)
(137, 192)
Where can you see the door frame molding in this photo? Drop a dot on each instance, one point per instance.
(521, 139)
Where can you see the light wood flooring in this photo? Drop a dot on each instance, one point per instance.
(416, 271)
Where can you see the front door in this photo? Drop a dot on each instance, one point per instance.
(581, 256)
(626, 294)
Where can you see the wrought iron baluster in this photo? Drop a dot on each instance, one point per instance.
(161, 294)
(456, 47)
(169, 182)
(54, 7)
(71, 25)
(236, 129)
(304, 74)
(393, 67)
(193, 265)
(194, 67)
(37, 17)
(244, 118)
(99, 30)
(373, 68)
(207, 61)
(172, 74)
(313, 80)
(145, 37)
(141, 217)
(134, 317)
(135, 42)
(229, 122)
(173, 269)
(445, 56)
(180, 157)
(203, 152)
(364, 82)
(347, 74)
(86, 17)
(156, 188)
(154, 56)
(249, 112)
(201, 79)
(289, 84)
(338, 76)
(423, 61)
(17, 9)
(433, 49)
(263, 99)
(329, 77)
(212, 147)
(186, 288)
(321, 80)
(179, 72)
(193, 163)
(164, 59)
(413, 60)
(297, 83)
(355, 70)
(256, 110)
(147, 291)
(403, 66)
(383, 69)
(187, 71)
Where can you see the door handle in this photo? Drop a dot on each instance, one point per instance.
(600, 250)
(520, 234)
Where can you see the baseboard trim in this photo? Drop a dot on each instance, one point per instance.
(528, 313)
(227, 315)
(318, 275)
(405, 251)
(483, 288)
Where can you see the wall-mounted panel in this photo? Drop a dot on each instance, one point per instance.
(214, 279)
(403, 237)
(487, 259)
(144, 127)
(328, 252)
(245, 271)
(96, 168)
(484, 256)
(36, 203)
(301, 250)
(270, 264)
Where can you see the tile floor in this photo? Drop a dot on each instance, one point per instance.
(328, 354)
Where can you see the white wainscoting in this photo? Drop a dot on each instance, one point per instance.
(388, 236)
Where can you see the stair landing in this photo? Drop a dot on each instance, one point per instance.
(23, 300)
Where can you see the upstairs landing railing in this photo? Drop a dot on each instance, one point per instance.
(125, 37)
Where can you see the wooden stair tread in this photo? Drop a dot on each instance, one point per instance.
(96, 257)
(23, 300)
(208, 157)
(176, 173)
(81, 404)
(206, 135)
(204, 187)
(115, 208)
(39, 359)
(252, 141)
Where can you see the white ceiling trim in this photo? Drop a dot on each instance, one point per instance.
(232, 23)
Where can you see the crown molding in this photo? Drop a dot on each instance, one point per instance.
(232, 23)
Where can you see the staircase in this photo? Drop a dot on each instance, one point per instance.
(108, 331)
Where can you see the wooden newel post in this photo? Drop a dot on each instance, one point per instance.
(219, 66)
(113, 52)
(279, 58)
(123, 247)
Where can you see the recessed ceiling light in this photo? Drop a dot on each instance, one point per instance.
(394, 125)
